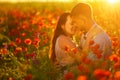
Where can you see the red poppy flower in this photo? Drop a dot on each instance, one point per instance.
(114, 38)
(85, 60)
(10, 78)
(1, 20)
(28, 41)
(67, 48)
(69, 76)
(36, 42)
(115, 43)
(3, 51)
(117, 66)
(24, 49)
(23, 34)
(96, 46)
(82, 77)
(74, 50)
(114, 58)
(83, 69)
(101, 73)
(18, 49)
(117, 75)
(44, 42)
(80, 67)
(18, 40)
(91, 42)
(32, 55)
(118, 52)
(28, 77)
(12, 44)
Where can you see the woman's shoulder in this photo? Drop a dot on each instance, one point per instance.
(64, 41)
(62, 38)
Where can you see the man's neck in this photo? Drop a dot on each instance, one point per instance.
(89, 24)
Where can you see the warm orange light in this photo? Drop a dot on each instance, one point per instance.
(35, 1)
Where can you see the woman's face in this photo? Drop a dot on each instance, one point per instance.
(70, 30)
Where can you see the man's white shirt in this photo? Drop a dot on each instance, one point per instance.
(100, 37)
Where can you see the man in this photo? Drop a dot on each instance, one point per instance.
(95, 41)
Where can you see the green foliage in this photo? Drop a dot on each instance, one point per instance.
(10, 66)
(43, 69)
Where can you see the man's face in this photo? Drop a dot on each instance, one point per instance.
(78, 22)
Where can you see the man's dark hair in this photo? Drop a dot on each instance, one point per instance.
(82, 9)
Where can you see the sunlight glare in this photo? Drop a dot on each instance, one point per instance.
(111, 1)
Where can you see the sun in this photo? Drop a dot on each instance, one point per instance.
(111, 1)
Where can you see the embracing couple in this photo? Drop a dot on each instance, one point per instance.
(94, 41)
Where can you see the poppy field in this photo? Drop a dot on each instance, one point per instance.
(26, 30)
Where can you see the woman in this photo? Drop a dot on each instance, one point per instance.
(63, 48)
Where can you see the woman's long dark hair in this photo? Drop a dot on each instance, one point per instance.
(58, 31)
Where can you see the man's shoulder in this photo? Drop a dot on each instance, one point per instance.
(98, 27)
(102, 37)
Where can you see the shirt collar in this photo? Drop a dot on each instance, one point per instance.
(93, 26)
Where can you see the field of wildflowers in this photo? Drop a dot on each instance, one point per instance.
(25, 33)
